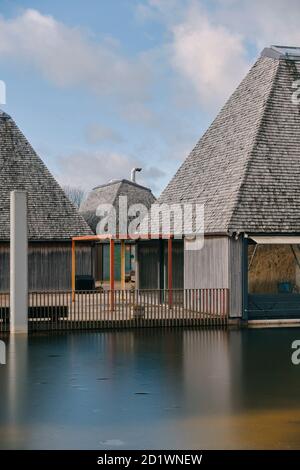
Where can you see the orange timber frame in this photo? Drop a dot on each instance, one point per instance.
(122, 239)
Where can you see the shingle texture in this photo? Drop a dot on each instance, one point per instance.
(109, 194)
(246, 167)
(51, 216)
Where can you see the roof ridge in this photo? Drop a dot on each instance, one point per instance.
(253, 145)
(121, 180)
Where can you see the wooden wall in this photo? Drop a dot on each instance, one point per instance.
(235, 267)
(49, 265)
(153, 264)
(217, 265)
(177, 264)
(148, 265)
(207, 267)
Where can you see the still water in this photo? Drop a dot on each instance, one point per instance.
(151, 389)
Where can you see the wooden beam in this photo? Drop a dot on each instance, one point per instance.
(123, 266)
(112, 271)
(141, 236)
(170, 272)
(73, 270)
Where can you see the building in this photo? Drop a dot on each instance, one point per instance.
(52, 218)
(246, 171)
(110, 194)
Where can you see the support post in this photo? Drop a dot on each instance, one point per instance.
(100, 262)
(245, 278)
(112, 272)
(123, 265)
(18, 263)
(170, 272)
(73, 270)
(161, 271)
(136, 265)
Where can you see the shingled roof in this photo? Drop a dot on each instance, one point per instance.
(51, 216)
(109, 194)
(246, 167)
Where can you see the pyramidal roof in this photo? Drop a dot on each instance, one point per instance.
(109, 194)
(246, 167)
(51, 216)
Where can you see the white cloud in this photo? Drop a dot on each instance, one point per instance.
(207, 47)
(207, 55)
(210, 56)
(202, 55)
(88, 169)
(210, 42)
(67, 56)
(262, 22)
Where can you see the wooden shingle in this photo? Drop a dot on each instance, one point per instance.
(246, 167)
(51, 216)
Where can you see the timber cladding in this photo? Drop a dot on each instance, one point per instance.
(49, 265)
(207, 268)
(217, 265)
(149, 266)
(270, 265)
(153, 264)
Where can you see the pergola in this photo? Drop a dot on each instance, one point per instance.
(122, 239)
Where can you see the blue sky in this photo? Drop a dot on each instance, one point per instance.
(99, 86)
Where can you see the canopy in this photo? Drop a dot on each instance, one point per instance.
(275, 240)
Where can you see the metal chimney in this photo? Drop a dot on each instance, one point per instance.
(133, 171)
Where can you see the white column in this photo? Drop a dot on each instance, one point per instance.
(18, 263)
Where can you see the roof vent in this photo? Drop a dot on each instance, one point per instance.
(282, 52)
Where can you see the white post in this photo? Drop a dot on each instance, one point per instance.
(18, 263)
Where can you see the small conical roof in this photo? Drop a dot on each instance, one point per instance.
(109, 194)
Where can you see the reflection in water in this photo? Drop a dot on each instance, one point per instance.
(16, 384)
(151, 389)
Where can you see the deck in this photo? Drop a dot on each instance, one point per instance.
(121, 309)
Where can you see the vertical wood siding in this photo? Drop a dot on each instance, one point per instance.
(149, 265)
(177, 264)
(49, 265)
(207, 268)
(148, 257)
(235, 277)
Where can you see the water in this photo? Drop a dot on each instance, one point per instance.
(151, 389)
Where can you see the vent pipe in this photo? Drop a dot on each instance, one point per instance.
(133, 172)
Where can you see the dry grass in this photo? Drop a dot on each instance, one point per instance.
(272, 264)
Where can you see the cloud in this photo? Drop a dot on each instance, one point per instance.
(89, 169)
(97, 134)
(210, 56)
(210, 43)
(165, 95)
(261, 22)
(69, 57)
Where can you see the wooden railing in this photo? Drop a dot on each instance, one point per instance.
(125, 309)
(59, 310)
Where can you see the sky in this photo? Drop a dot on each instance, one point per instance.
(101, 86)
